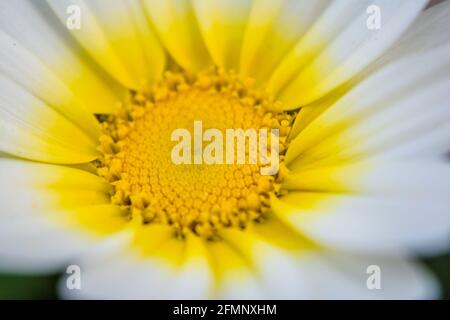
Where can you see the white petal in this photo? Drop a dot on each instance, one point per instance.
(120, 270)
(334, 19)
(195, 280)
(364, 223)
(272, 30)
(410, 198)
(32, 129)
(21, 66)
(248, 265)
(237, 277)
(113, 37)
(37, 232)
(430, 31)
(397, 179)
(381, 116)
(275, 268)
(352, 50)
(113, 272)
(430, 145)
(339, 275)
(33, 25)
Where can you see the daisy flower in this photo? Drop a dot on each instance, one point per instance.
(90, 92)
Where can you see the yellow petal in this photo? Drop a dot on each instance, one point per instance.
(272, 30)
(32, 129)
(114, 36)
(176, 26)
(222, 25)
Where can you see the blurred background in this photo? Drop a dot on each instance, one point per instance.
(14, 286)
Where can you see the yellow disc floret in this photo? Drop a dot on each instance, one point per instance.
(136, 154)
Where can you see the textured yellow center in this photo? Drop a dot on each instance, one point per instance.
(202, 198)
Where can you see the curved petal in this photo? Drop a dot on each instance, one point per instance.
(32, 129)
(114, 34)
(430, 31)
(431, 145)
(272, 30)
(19, 65)
(298, 269)
(176, 26)
(314, 68)
(368, 223)
(390, 201)
(157, 265)
(340, 275)
(43, 215)
(239, 265)
(374, 118)
(35, 28)
(222, 25)
(418, 179)
(152, 264)
(274, 253)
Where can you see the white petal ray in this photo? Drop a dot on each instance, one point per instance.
(383, 130)
(340, 275)
(430, 31)
(275, 269)
(429, 146)
(272, 30)
(277, 274)
(111, 36)
(353, 49)
(19, 65)
(103, 276)
(36, 230)
(391, 114)
(195, 280)
(119, 270)
(327, 27)
(236, 278)
(396, 179)
(32, 129)
(33, 25)
(368, 224)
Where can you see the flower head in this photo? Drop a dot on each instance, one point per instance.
(91, 93)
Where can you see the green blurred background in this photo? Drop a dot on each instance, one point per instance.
(34, 287)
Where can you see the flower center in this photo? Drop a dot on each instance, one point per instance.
(137, 148)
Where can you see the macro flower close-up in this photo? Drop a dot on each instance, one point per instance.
(122, 124)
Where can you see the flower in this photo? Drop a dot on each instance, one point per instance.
(362, 109)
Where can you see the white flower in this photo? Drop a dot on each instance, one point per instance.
(364, 119)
